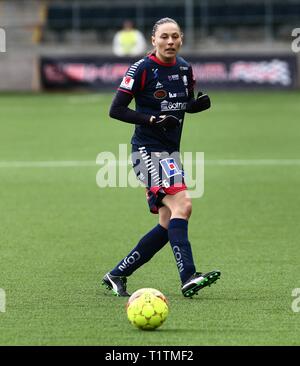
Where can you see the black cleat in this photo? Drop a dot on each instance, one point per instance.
(115, 283)
(199, 280)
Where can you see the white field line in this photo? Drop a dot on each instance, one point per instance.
(263, 162)
(90, 163)
(46, 164)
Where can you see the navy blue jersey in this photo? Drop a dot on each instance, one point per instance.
(159, 89)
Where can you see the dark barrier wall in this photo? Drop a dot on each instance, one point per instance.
(105, 73)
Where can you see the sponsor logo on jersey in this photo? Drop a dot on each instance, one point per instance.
(127, 82)
(183, 68)
(176, 95)
(155, 72)
(160, 94)
(170, 167)
(170, 106)
(158, 85)
(173, 77)
(185, 81)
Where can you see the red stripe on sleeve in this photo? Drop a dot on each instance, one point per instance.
(144, 74)
(126, 91)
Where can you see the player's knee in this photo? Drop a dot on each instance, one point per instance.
(187, 208)
(164, 220)
(164, 223)
(183, 209)
(164, 217)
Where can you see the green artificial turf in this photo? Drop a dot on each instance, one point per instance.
(60, 232)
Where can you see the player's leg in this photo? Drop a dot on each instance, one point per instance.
(146, 248)
(150, 243)
(164, 217)
(180, 206)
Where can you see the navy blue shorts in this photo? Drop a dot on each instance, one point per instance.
(161, 172)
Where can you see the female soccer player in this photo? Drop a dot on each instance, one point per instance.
(162, 84)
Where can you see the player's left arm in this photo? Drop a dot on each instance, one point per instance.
(201, 102)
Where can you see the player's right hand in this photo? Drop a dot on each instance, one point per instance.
(165, 121)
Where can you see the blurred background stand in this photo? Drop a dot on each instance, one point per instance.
(87, 27)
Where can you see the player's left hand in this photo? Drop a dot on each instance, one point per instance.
(201, 103)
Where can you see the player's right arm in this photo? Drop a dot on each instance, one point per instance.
(119, 110)
(133, 82)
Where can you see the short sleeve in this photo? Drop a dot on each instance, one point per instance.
(133, 79)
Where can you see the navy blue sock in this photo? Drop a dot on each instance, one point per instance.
(150, 244)
(178, 236)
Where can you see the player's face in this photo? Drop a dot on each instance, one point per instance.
(167, 41)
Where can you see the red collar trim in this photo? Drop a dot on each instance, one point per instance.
(157, 60)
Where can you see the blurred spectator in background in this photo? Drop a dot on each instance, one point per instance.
(129, 41)
(38, 29)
